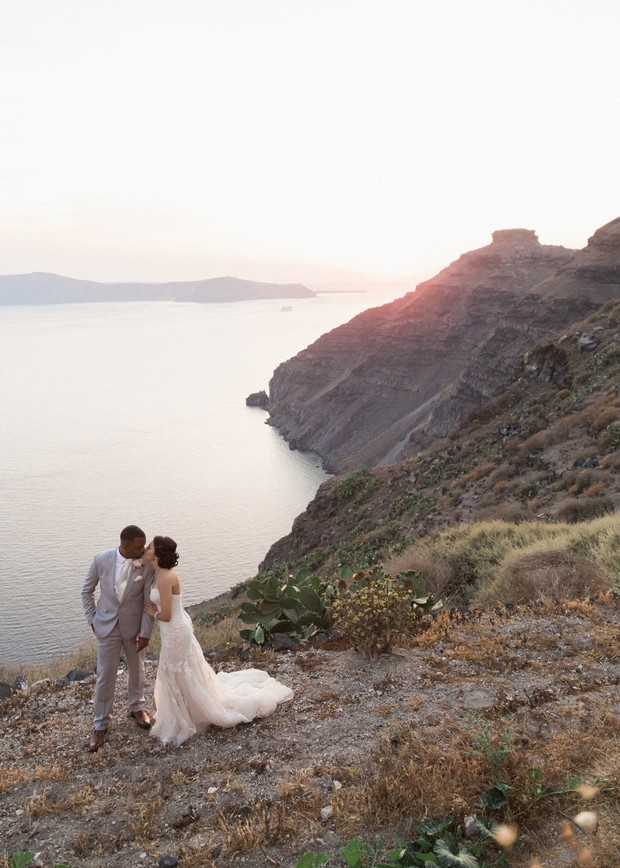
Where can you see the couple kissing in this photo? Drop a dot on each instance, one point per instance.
(138, 585)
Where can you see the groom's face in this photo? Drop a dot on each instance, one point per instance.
(134, 548)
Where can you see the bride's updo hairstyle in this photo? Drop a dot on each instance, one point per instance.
(166, 552)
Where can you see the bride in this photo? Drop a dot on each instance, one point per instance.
(189, 695)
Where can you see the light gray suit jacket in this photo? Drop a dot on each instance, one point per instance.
(107, 611)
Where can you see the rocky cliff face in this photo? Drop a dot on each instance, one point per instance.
(415, 368)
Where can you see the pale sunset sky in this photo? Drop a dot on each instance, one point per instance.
(300, 140)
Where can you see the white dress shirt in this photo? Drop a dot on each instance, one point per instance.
(118, 569)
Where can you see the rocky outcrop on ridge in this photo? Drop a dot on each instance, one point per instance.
(417, 367)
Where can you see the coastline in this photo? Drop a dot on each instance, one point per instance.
(58, 665)
(212, 603)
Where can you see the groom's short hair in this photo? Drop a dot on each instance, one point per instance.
(132, 531)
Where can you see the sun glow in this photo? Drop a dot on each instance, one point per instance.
(277, 140)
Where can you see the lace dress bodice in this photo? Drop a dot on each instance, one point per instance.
(176, 634)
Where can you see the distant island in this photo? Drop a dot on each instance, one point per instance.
(43, 288)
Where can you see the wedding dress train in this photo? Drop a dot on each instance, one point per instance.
(189, 695)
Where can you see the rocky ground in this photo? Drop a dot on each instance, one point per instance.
(265, 793)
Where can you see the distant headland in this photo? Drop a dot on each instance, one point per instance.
(44, 288)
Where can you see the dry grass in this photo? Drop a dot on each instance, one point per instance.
(477, 562)
(10, 777)
(547, 437)
(485, 651)
(611, 461)
(478, 472)
(411, 777)
(83, 658)
(607, 416)
(43, 803)
(572, 510)
(293, 816)
(94, 841)
(503, 473)
(511, 512)
(199, 855)
(438, 573)
(588, 477)
(142, 818)
(437, 631)
(544, 573)
(223, 634)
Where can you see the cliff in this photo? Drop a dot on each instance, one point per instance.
(42, 288)
(545, 449)
(414, 369)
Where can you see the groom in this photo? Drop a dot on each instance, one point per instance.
(119, 623)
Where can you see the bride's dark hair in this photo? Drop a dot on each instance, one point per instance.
(166, 552)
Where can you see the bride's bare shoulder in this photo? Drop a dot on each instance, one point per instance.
(173, 578)
(168, 577)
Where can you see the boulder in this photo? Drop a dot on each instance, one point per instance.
(258, 399)
(78, 674)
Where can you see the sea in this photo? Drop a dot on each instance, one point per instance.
(134, 413)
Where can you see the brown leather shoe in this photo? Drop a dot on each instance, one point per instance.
(97, 740)
(142, 719)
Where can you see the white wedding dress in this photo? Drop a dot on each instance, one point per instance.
(189, 695)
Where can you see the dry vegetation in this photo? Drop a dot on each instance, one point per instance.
(481, 696)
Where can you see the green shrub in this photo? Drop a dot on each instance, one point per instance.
(529, 489)
(295, 605)
(357, 487)
(416, 505)
(209, 617)
(373, 609)
(600, 360)
(363, 549)
(610, 438)
(434, 472)
(238, 589)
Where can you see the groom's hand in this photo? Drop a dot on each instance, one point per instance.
(141, 643)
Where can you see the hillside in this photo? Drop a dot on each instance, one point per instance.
(423, 363)
(546, 449)
(362, 750)
(42, 288)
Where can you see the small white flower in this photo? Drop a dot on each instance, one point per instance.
(587, 820)
(505, 835)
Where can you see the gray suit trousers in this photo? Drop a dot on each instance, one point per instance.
(109, 650)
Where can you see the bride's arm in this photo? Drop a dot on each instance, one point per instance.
(165, 584)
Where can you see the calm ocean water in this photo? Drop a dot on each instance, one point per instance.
(117, 414)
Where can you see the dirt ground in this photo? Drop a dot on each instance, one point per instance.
(264, 793)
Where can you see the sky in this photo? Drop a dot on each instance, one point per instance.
(313, 141)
